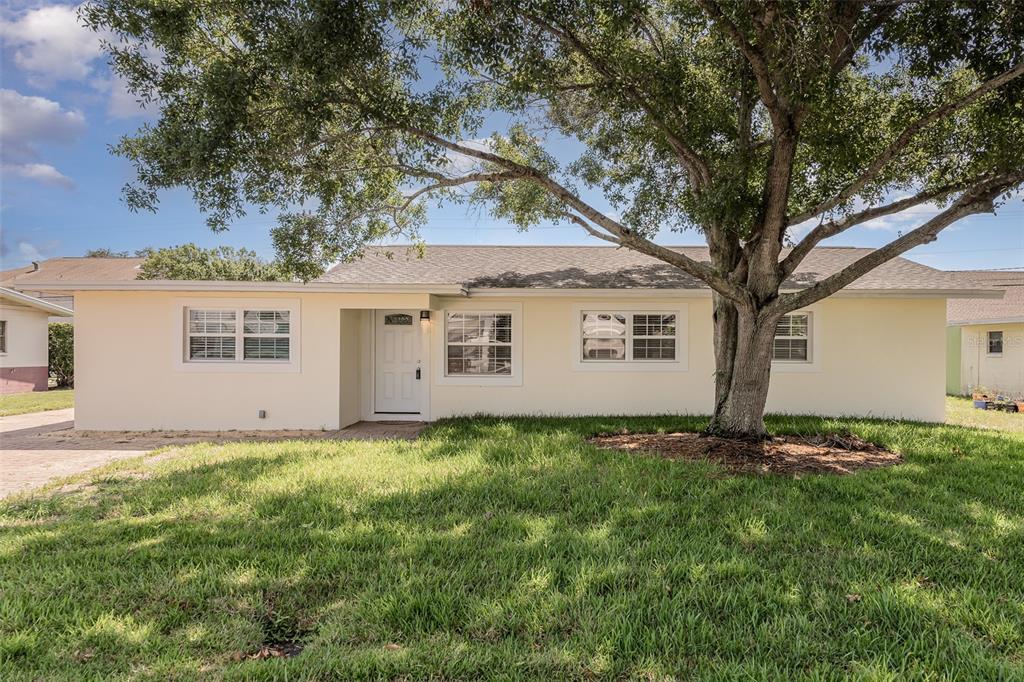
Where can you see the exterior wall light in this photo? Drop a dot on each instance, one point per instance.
(424, 316)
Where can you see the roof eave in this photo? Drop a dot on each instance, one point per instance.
(995, 320)
(33, 302)
(706, 292)
(242, 287)
(461, 290)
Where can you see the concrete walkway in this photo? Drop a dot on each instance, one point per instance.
(39, 447)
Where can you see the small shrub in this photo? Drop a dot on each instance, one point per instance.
(62, 353)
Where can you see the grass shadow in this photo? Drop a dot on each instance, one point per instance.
(503, 548)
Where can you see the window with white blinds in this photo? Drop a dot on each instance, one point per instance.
(238, 335)
(478, 344)
(612, 336)
(792, 338)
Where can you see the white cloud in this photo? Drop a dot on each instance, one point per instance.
(51, 45)
(29, 122)
(29, 251)
(122, 103)
(24, 250)
(41, 172)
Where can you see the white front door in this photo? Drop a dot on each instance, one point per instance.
(397, 372)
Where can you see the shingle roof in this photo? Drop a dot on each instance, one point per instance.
(599, 267)
(71, 269)
(1009, 308)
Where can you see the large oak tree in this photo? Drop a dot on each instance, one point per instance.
(740, 118)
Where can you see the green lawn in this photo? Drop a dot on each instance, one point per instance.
(510, 549)
(22, 403)
(962, 411)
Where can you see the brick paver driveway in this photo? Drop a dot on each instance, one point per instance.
(34, 449)
(39, 447)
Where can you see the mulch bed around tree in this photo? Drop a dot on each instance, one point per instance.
(788, 455)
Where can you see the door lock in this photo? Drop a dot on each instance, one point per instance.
(418, 370)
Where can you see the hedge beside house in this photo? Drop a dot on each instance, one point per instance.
(62, 353)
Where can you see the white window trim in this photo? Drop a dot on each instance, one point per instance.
(439, 331)
(681, 362)
(813, 363)
(988, 345)
(180, 347)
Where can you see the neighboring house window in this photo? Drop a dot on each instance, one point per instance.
(3, 336)
(995, 343)
(215, 335)
(792, 338)
(624, 337)
(478, 344)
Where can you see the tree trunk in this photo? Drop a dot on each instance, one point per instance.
(743, 361)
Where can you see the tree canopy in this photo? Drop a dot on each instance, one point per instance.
(191, 262)
(111, 253)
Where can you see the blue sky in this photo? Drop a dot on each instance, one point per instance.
(61, 187)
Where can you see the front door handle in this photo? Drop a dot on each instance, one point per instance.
(418, 370)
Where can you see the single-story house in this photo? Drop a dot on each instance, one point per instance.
(68, 269)
(24, 341)
(985, 339)
(490, 329)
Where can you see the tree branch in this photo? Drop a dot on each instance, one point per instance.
(443, 181)
(624, 236)
(700, 175)
(905, 138)
(979, 199)
(754, 56)
(849, 38)
(834, 227)
(590, 230)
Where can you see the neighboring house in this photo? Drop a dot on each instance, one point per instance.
(70, 269)
(985, 339)
(499, 330)
(24, 341)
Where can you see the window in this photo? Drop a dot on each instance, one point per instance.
(478, 344)
(604, 336)
(211, 334)
(623, 337)
(3, 336)
(792, 337)
(215, 335)
(265, 335)
(995, 343)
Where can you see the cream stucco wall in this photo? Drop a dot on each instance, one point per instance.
(27, 336)
(877, 357)
(872, 357)
(129, 374)
(880, 358)
(1003, 373)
